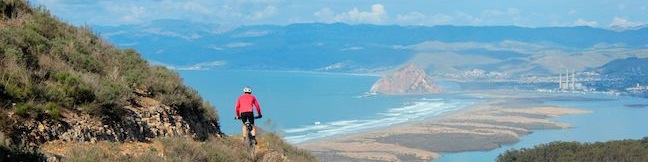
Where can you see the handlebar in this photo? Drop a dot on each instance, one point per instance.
(256, 117)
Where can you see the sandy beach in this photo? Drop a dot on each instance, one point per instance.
(500, 120)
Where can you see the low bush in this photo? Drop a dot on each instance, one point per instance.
(623, 150)
(22, 109)
(53, 110)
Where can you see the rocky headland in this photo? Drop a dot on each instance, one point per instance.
(408, 79)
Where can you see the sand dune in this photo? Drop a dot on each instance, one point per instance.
(485, 126)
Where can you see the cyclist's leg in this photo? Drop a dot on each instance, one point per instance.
(253, 130)
(253, 126)
(244, 131)
(246, 117)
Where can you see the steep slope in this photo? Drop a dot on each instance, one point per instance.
(406, 80)
(59, 82)
(62, 85)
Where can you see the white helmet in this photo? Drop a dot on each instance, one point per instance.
(247, 90)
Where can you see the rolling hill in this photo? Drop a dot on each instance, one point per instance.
(376, 48)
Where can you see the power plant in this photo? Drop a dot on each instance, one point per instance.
(569, 82)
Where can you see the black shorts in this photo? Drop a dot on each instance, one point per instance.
(247, 116)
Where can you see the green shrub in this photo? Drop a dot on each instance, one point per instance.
(137, 69)
(22, 109)
(623, 150)
(110, 94)
(55, 93)
(53, 110)
(81, 93)
(18, 91)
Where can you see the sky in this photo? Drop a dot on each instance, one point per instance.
(527, 13)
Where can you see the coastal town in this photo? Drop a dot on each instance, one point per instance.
(567, 80)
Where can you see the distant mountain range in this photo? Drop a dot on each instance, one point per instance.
(441, 50)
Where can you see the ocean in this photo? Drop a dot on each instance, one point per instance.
(306, 106)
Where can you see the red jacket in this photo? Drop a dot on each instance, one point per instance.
(245, 103)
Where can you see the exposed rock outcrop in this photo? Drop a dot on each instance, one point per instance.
(144, 119)
(406, 80)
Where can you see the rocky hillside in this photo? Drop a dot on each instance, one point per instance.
(406, 80)
(60, 82)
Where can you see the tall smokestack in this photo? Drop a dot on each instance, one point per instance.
(560, 86)
(566, 78)
(573, 86)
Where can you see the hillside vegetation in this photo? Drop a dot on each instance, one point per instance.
(623, 150)
(62, 85)
(47, 65)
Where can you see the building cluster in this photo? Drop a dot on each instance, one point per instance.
(637, 89)
(482, 74)
(568, 82)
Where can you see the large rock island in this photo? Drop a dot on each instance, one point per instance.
(407, 80)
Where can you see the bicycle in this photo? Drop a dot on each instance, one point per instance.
(251, 141)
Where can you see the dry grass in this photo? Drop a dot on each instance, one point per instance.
(215, 149)
(279, 150)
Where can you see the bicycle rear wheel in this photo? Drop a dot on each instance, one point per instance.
(251, 145)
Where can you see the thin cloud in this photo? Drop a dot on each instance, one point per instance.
(266, 12)
(377, 15)
(582, 22)
(325, 15)
(417, 18)
(495, 12)
(624, 23)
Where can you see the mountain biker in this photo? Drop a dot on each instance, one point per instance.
(245, 112)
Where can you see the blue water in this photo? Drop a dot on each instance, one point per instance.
(610, 120)
(292, 102)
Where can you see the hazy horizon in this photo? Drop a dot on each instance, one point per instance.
(618, 14)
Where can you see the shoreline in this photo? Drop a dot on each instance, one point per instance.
(500, 120)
